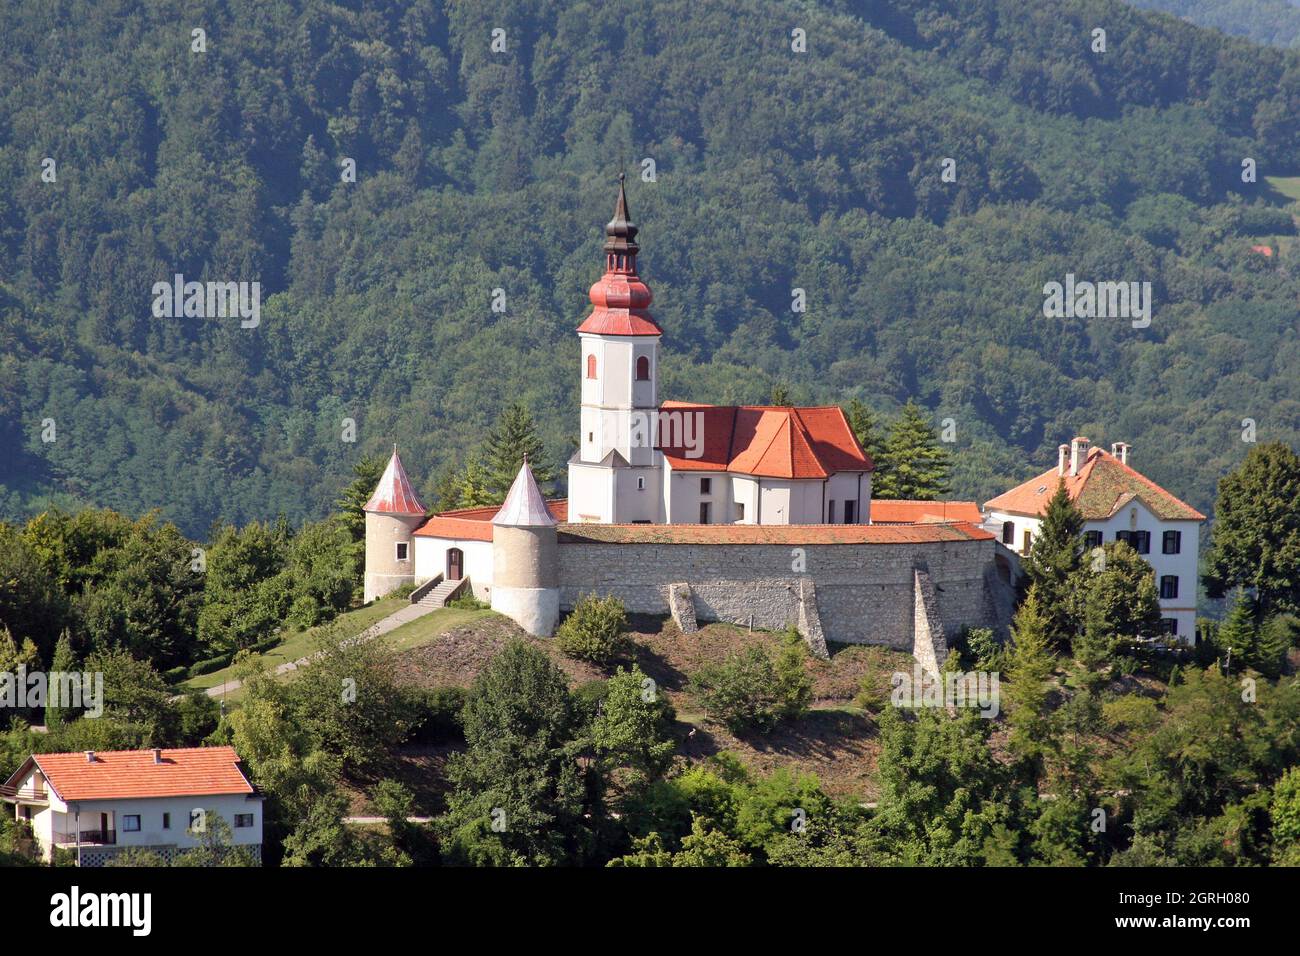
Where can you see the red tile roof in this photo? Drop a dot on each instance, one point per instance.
(770, 442)
(1103, 485)
(117, 774)
(475, 524)
(778, 534)
(898, 511)
(394, 494)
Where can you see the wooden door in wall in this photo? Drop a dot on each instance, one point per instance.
(455, 564)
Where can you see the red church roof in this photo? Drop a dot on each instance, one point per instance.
(1103, 485)
(394, 494)
(770, 442)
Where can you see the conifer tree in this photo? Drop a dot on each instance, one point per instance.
(1029, 666)
(1116, 600)
(473, 489)
(64, 662)
(781, 395)
(866, 428)
(916, 465)
(1053, 561)
(1256, 538)
(512, 438)
(351, 503)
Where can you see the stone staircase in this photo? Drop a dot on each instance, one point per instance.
(443, 592)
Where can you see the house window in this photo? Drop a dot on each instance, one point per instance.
(1092, 539)
(830, 511)
(704, 512)
(1169, 587)
(167, 821)
(1169, 625)
(850, 512)
(1028, 541)
(131, 822)
(740, 511)
(643, 369)
(706, 486)
(591, 366)
(1173, 543)
(1139, 541)
(243, 820)
(1008, 532)
(640, 484)
(591, 436)
(402, 549)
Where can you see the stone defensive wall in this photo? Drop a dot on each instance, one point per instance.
(853, 584)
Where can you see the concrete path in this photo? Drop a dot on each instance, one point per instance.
(385, 819)
(390, 623)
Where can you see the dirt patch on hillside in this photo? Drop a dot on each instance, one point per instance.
(836, 741)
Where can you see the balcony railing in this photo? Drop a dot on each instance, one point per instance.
(87, 838)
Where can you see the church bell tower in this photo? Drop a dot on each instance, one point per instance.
(615, 474)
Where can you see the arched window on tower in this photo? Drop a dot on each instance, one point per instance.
(591, 366)
(643, 369)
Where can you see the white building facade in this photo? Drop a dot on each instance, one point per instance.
(165, 801)
(1118, 504)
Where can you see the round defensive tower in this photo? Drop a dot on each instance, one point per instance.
(392, 515)
(525, 583)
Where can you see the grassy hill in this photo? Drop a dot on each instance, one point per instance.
(480, 170)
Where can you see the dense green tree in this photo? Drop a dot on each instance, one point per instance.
(1053, 562)
(1029, 669)
(520, 790)
(244, 599)
(1255, 538)
(512, 439)
(632, 734)
(64, 662)
(594, 629)
(916, 465)
(1115, 597)
(867, 429)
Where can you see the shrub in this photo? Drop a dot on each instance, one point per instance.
(435, 714)
(985, 649)
(199, 668)
(588, 697)
(594, 631)
(468, 602)
(175, 675)
(752, 690)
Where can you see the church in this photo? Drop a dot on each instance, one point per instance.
(756, 515)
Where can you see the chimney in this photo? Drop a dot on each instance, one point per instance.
(157, 755)
(1078, 453)
(1120, 450)
(1061, 451)
(90, 756)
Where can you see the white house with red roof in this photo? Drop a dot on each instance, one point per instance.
(1118, 504)
(99, 803)
(754, 514)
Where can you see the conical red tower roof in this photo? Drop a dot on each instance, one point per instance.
(620, 299)
(394, 494)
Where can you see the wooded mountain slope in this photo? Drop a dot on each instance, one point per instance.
(478, 170)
